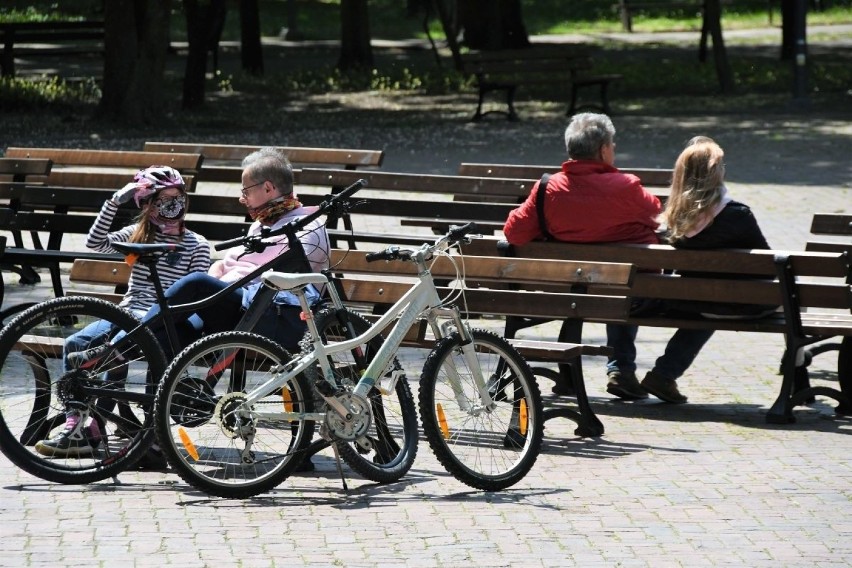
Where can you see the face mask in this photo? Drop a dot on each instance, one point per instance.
(170, 208)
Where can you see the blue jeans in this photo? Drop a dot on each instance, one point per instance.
(681, 350)
(94, 334)
(222, 315)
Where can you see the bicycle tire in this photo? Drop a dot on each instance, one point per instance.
(32, 386)
(389, 448)
(488, 450)
(196, 424)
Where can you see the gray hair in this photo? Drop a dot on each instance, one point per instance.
(270, 164)
(586, 134)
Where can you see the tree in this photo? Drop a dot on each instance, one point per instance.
(712, 27)
(251, 50)
(355, 49)
(135, 43)
(204, 20)
(492, 24)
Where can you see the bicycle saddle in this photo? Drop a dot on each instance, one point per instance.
(290, 280)
(144, 249)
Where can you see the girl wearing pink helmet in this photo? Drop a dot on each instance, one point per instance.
(160, 194)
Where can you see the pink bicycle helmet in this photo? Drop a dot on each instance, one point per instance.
(153, 179)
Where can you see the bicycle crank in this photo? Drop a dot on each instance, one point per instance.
(355, 420)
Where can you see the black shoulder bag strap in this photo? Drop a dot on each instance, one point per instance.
(539, 206)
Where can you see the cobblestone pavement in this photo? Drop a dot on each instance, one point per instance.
(702, 484)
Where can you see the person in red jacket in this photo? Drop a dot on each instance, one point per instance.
(591, 201)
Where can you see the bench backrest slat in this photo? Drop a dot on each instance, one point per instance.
(495, 269)
(746, 262)
(18, 168)
(650, 177)
(497, 302)
(99, 272)
(183, 162)
(831, 224)
(430, 184)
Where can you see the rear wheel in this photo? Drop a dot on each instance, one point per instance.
(211, 437)
(115, 424)
(387, 451)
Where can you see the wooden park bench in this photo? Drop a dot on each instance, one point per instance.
(506, 70)
(812, 289)
(57, 38)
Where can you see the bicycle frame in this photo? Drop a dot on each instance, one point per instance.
(420, 301)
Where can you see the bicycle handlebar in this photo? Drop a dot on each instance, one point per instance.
(455, 235)
(331, 203)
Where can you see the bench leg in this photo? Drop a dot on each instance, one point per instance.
(478, 115)
(510, 102)
(844, 376)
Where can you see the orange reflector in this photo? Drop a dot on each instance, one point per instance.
(187, 444)
(442, 421)
(288, 399)
(131, 259)
(523, 417)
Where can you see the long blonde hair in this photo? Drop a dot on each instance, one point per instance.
(697, 187)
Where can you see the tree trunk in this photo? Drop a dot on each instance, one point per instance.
(251, 49)
(135, 45)
(788, 34)
(492, 24)
(355, 49)
(196, 59)
(712, 26)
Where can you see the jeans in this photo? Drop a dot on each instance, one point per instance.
(222, 315)
(94, 334)
(681, 350)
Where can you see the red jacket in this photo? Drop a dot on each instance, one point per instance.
(588, 202)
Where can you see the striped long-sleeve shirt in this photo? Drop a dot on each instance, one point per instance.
(140, 293)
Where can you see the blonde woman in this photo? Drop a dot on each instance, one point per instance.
(700, 214)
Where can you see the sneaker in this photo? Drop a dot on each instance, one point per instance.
(624, 385)
(663, 388)
(74, 441)
(89, 357)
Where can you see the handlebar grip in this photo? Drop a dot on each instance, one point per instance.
(229, 243)
(347, 192)
(389, 253)
(457, 233)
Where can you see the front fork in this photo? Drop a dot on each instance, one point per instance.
(455, 323)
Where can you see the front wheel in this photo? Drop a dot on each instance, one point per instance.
(489, 447)
(213, 438)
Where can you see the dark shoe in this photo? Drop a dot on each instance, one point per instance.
(663, 388)
(624, 385)
(306, 466)
(89, 357)
(153, 460)
(74, 441)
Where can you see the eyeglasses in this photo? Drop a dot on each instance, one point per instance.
(244, 191)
